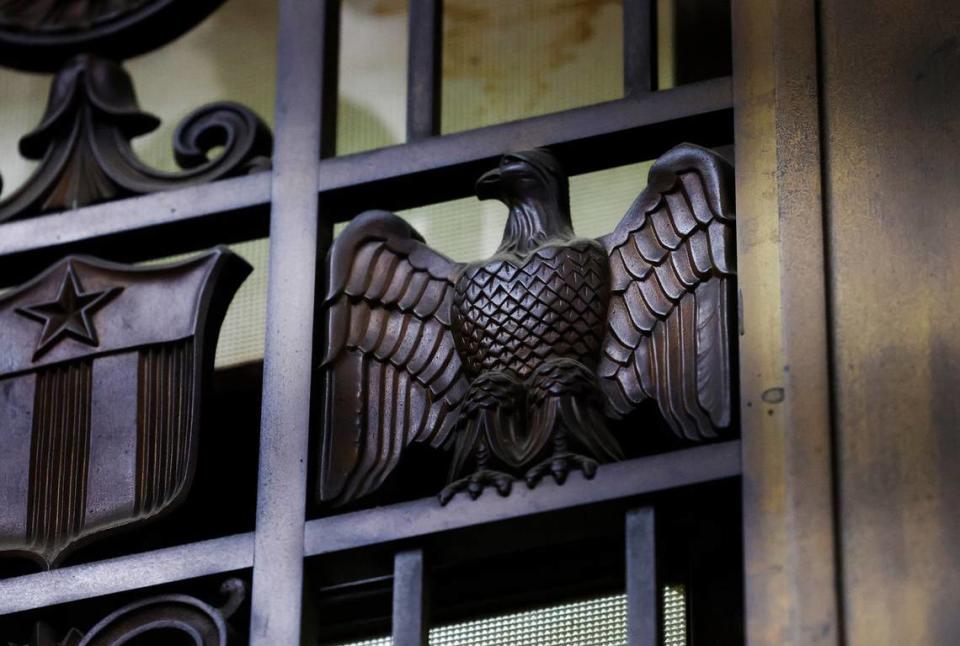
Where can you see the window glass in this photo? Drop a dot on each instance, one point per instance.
(371, 108)
(242, 334)
(506, 60)
(468, 229)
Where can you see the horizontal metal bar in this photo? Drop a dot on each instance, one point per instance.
(125, 573)
(370, 527)
(612, 481)
(585, 139)
(190, 218)
(403, 176)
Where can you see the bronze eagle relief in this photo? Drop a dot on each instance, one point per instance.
(519, 363)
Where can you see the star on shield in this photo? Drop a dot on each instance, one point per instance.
(68, 315)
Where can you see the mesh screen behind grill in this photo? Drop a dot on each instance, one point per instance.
(596, 622)
(674, 616)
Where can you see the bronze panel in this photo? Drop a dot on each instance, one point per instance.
(891, 81)
(790, 572)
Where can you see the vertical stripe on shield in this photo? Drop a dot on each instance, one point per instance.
(165, 424)
(16, 429)
(58, 474)
(111, 488)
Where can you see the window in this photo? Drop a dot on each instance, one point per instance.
(401, 105)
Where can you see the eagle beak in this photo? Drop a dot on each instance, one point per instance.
(488, 186)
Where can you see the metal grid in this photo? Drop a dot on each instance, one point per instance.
(594, 622)
(674, 615)
(426, 169)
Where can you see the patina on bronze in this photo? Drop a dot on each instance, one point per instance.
(102, 371)
(519, 361)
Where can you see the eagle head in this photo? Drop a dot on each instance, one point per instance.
(535, 189)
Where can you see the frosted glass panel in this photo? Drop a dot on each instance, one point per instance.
(506, 60)
(469, 229)
(371, 111)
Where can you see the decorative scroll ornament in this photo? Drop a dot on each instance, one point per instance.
(63, 16)
(83, 143)
(101, 380)
(164, 616)
(518, 361)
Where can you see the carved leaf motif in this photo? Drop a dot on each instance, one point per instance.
(83, 143)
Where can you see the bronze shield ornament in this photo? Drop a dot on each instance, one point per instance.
(102, 371)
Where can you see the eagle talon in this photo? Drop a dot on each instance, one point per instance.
(476, 482)
(560, 466)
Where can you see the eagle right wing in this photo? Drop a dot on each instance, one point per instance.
(393, 374)
(672, 267)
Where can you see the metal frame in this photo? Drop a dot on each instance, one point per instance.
(788, 499)
(308, 191)
(378, 526)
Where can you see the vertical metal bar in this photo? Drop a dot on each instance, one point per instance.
(638, 47)
(330, 78)
(641, 578)
(288, 355)
(409, 599)
(791, 564)
(424, 69)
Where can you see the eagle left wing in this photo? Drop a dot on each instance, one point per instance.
(392, 372)
(672, 266)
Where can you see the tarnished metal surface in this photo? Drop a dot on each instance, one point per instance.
(41, 36)
(124, 573)
(518, 358)
(83, 147)
(101, 383)
(163, 616)
(784, 390)
(297, 236)
(891, 97)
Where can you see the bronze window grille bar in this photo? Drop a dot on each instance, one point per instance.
(409, 599)
(424, 69)
(641, 577)
(638, 47)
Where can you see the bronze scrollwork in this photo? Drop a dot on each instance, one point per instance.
(84, 151)
(40, 35)
(518, 362)
(160, 616)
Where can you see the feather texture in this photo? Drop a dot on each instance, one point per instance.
(672, 262)
(393, 374)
